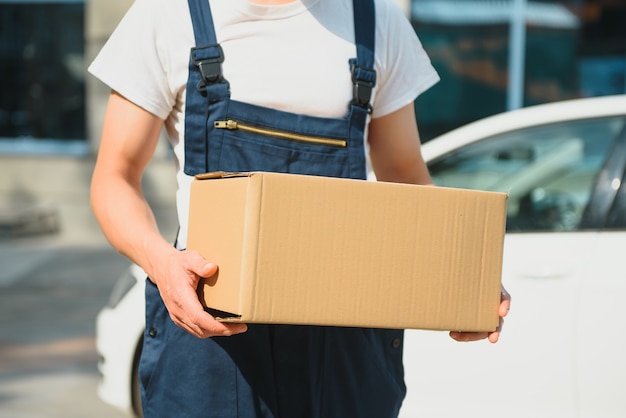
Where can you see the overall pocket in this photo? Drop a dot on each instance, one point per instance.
(246, 146)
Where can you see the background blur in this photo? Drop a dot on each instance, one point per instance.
(56, 269)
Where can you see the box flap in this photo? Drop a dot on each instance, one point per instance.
(220, 240)
(222, 175)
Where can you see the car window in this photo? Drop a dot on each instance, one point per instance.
(548, 171)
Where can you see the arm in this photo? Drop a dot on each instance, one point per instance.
(395, 148)
(129, 137)
(396, 156)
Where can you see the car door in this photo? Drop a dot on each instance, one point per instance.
(601, 340)
(550, 360)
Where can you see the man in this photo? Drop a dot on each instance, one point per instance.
(284, 59)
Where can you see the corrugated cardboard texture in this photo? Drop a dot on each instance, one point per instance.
(312, 250)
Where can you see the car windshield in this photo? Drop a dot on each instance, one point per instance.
(548, 171)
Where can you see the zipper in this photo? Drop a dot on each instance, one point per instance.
(234, 125)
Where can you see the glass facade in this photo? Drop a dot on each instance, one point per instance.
(568, 49)
(42, 73)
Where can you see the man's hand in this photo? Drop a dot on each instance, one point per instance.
(177, 282)
(505, 305)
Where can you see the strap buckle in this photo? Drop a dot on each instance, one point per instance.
(209, 61)
(363, 80)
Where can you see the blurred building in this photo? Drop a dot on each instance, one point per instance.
(492, 55)
(495, 55)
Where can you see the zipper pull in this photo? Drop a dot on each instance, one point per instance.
(225, 124)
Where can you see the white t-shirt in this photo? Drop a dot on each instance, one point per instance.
(292, 57)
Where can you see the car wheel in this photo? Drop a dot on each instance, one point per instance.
(135, 385)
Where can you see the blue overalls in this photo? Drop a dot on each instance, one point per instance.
(277, 371)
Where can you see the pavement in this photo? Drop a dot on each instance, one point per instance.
(56, 272)
(51, 289)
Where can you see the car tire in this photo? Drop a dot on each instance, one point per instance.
(135, 384)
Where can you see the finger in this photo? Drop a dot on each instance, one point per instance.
(505, 303)
(468, 336)
(495, 336)
(205, 325)
(207, 270)
(200, 266)
(208, 326)
(234, 329)
(185, 310)
(221, 330)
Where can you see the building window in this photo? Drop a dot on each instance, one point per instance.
(42, 76)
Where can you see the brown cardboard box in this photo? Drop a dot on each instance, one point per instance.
(296, 249)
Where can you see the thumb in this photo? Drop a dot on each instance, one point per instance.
(200, 266)
(207, 269)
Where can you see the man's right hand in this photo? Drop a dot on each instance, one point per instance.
(177, 280)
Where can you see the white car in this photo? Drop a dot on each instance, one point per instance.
(562, 350)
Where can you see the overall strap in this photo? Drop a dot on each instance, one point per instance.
(202, 20)
(204, 85)
(362, 68)
(207, 55)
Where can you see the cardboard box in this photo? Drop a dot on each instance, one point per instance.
(296, 249)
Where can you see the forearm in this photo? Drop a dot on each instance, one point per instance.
(410, 169)
(127, 220)
(395, 149)
(129, 137)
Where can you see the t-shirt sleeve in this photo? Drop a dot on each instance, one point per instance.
(132, 62)
(406, 70)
